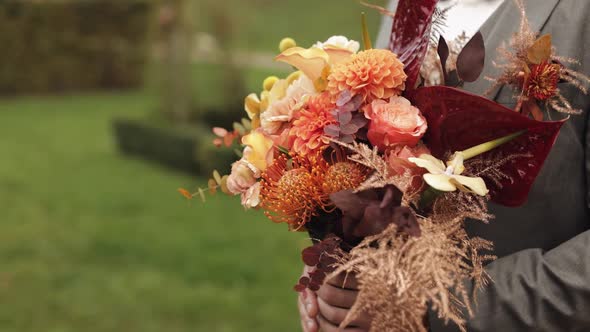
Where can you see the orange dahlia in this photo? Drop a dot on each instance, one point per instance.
(291, 189)
(307, 130)
(374, 74)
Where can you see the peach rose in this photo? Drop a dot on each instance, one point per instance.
(396, 122)
(400, 165)
(241, 178)
(399, 155)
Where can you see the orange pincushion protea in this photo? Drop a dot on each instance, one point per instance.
(542, 81)
(374, 74)
(344, 175)
(291, 189)
(308, 129)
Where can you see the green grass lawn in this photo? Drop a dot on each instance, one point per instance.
(94, 241)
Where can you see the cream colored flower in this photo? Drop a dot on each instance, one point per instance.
(280, 113)
(251, 198)
(339, 42)
(449, 178)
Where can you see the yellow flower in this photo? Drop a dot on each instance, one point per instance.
(315, 62)
(286, 43)
(252, 105)
(259, 150)
(449, 178)
(310, 61)
(268, 82)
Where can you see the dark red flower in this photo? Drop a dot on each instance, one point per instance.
(542, 81)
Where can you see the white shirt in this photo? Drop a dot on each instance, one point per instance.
(467, 16)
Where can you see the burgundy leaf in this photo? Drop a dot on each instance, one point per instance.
(310, 256)
(458, 120)
(314, 286)
(471, 60)
(443, 54)
(375, 220)
(299, 288)
(321, 257)
(410, 35)
(406, 221)
(304, 281)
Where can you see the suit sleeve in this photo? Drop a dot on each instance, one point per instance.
(535, 291)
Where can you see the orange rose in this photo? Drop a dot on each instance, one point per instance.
(396, 122)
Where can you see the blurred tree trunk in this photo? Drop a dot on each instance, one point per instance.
(176, 21)
(224, 32)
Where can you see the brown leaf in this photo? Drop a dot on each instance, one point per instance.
(541, 50)
(471, 60)
(531, 107)
(443, 54)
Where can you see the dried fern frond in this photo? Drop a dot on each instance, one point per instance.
(399, 275)
(439, 24)
(367, 157)
(381, 176)
(489, 166)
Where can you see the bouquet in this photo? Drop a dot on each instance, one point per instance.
(383, 169)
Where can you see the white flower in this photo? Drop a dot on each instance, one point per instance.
(251, 198)
(339, 42)
(448, 178)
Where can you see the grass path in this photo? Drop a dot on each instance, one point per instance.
(92, 241)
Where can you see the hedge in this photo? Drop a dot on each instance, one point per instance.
(57, 46)
(189, 149)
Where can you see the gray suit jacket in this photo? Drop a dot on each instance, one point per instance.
(541, 282)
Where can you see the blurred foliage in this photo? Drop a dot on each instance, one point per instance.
(186, 147)
(60, 46)
(259, 25)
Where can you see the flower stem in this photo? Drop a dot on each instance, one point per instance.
(428, 197)
(366, 36)
(485, 147)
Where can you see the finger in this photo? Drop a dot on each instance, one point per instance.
(338, 297)
(337, 315)
(308, 324)
(344, 280)
(310, 300)
(326, 326)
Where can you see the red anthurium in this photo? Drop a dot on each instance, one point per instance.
(458, 120)
(410, 35)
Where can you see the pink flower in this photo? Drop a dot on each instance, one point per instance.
(399, 155)
(396, 122)
(400, 165)
(242, 177)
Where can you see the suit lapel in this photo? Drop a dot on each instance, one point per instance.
(499, 28)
